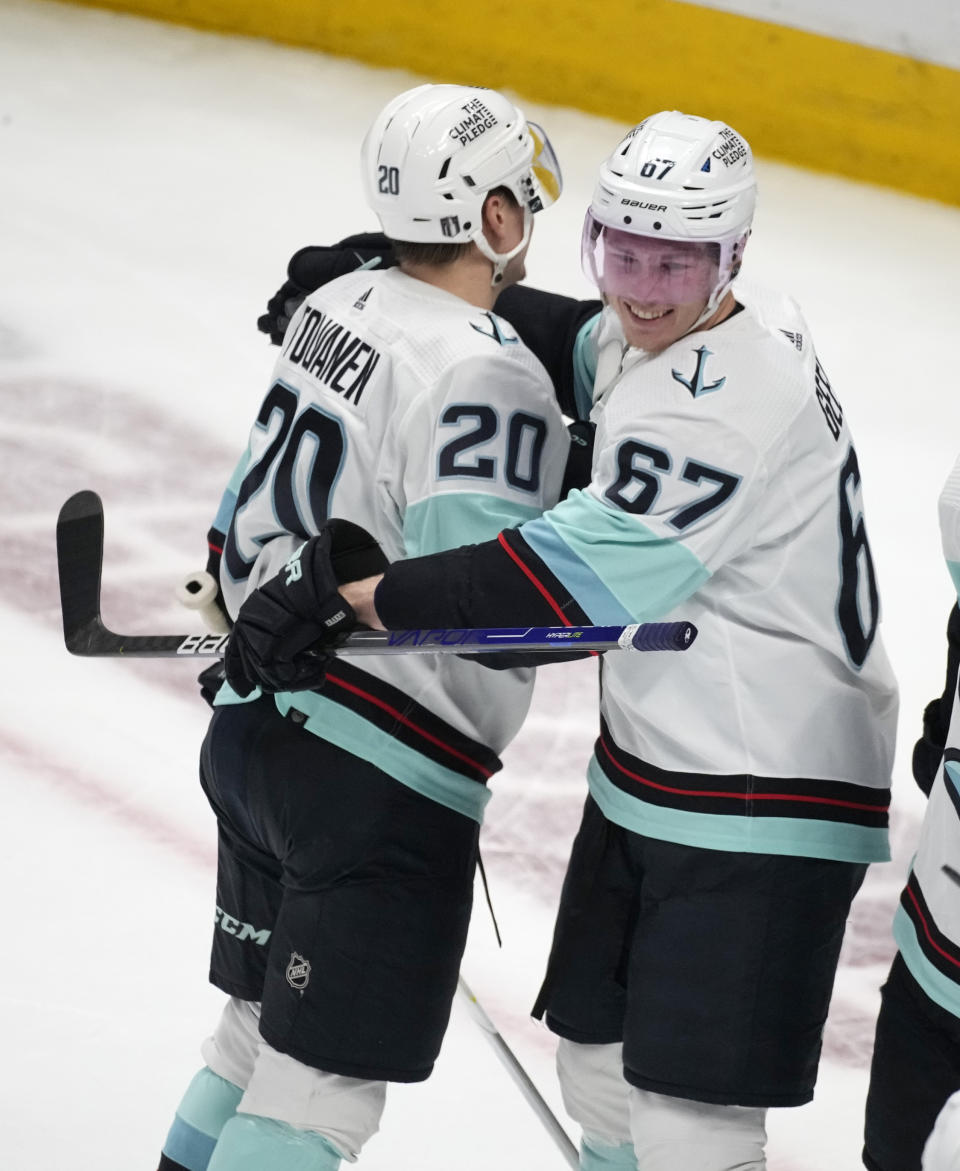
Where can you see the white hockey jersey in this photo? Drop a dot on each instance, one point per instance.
(927, 923)
(406, 410)
(726, 491)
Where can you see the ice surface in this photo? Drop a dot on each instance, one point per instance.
(153, 183)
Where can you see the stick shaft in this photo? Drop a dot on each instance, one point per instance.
(520, 1076)
(80, 564)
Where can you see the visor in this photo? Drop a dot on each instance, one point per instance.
(543, 183)
(649, 269)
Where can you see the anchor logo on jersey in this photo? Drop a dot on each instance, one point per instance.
(495, 331)
(696, 384)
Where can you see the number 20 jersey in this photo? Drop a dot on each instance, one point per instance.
(726, 491)
(406, 410)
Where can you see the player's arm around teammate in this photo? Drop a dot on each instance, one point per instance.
(728, 825)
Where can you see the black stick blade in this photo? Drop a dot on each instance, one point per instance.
(79, 562)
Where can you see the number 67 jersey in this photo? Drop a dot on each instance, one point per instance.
(406, 410)
(726, 491)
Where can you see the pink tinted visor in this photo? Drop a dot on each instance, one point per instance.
(649, 269)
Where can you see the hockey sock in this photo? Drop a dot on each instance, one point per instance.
(598, 1156)
(209, 1103)
(251, 1143)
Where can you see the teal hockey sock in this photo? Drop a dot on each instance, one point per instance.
(251, 1143)
(209, 1103)
(596, 1156)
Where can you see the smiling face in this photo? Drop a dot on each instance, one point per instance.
(658, 288)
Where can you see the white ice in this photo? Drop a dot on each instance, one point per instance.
(153, 183)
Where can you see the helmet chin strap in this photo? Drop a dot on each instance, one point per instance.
(712, 305)
(732, 264)
(500, 260)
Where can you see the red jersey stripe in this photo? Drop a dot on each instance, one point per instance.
(537, 583)
(384, 706)
(799, 797)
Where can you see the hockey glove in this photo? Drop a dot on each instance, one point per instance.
(281, 632)
(211, 680)
(579, 469)
(314, 266)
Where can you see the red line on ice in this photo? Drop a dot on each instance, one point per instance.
(87, 791)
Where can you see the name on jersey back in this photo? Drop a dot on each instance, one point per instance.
(329, 352)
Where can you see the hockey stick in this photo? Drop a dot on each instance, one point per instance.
(520, 1076)
(80, 566)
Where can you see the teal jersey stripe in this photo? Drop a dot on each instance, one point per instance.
(353, 733)
(938, 987)
(578, 578)
(337, 725)
(616, 568)
(796, 837)
(952, 769)
(585, 366)
(228, 501)
(954, 567)
(334, 723)
(460, 518)
(226, 695)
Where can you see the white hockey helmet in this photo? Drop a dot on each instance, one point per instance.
(675, 177)
(435, 152)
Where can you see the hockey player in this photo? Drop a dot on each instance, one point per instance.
(348, 819)
(916, 1056)
(737, 791)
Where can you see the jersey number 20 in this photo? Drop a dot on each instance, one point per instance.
(283, 456)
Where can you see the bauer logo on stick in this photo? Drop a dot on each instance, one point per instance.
(202, 644)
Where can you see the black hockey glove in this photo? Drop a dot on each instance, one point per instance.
(579, 469)
(211, 680)
(314, 266)
(928, 750)
(279, 636)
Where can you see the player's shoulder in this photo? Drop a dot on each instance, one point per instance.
(747, 379)
(431, 327)
(774, 310)
(769, 327)
(764, 353)
(445, 339)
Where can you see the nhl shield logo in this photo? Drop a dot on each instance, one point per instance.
(298, 972)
